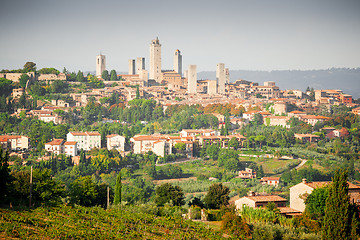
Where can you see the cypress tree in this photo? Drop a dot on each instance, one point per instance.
(337, 220)
(117, 198)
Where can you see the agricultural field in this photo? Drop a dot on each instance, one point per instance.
(67, 222)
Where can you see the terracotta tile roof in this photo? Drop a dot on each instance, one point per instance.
(305, 135)
(78, 133)
(70, 143)
(55, 142)
(323, 184)
(297, 112)
(93, 134)
(11, 136)
(111, 135)
(270, 198)
(286, 210)
(85, 133)
(277, 117)
(3, 139)
(270, 178)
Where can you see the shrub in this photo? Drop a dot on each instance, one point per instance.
(234, 224)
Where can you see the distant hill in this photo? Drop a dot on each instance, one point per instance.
(345, 79)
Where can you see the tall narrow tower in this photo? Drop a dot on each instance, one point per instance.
(220, 77)
(140, 64)
(131, 66)
(178, 62)
(100, 65)
(155, 60)
(192, 79)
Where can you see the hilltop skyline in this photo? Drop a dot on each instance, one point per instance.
(256, 35)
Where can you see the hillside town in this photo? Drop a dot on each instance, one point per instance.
(266, 147)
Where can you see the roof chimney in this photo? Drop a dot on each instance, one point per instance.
(304, 180)
(251, 193)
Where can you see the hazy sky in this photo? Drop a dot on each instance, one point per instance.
(243, 34)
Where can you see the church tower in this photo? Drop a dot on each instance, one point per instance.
(100, 65)
(178, 62)
(155, 60)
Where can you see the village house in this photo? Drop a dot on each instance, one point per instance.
(277, 121)
(70, 148)
(257, 201)
(307, 137)
(296, 113)
(56, 146)
(4, 143)
(312, 119)
(198, 132)
(248, 173)
(273, 181)
(300, 191)
(338, 133)
(159, 144)
(250, 115)
(16, 142)
(85, 140)
(115, 141)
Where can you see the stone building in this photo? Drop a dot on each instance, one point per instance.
(155, 60)
(100, 65)
(85, 140)
(178, 62)
(192, 79)
(220, 77)
(140, 64)
(256, 201)
(300, 191)
(131, 66)
(115, 141)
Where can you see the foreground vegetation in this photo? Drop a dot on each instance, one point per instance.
(65, 222)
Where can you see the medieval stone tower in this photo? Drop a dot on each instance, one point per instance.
(192, 79)
(220, 77)
(131, 66)
(178, 62)
(155, 60)
(100, 64)
(140, 64)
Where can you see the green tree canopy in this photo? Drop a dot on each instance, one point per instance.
(217, 196)
(113, 75)
(167, 193)
(234, 143)
(117, 198)
(315, 202)
(49, 71)
(338, 214)
(30, 67)
(80, 76)
(23, 80)
(5, 87)
(5, 177)
(105, 75)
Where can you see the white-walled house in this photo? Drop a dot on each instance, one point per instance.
(115, 141)
(70, 148)
(56, 146)
(85, 140)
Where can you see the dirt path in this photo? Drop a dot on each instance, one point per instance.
(303, 161)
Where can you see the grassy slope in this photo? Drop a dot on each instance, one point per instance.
(67, 222)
